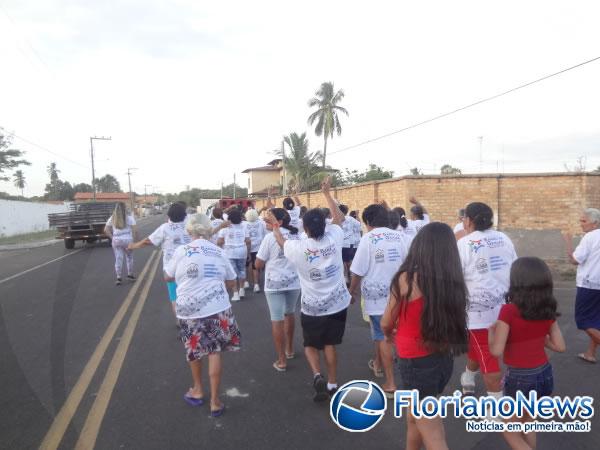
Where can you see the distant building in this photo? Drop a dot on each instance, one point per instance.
(261, 179)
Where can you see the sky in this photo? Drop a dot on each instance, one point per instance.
(195, 92)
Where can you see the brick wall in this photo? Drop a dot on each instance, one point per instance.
(550, 201)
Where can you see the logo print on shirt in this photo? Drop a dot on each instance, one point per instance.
(379, 256)
(315, 275)
(375, 238)
(192, 271)
(190, 250)
(311, 255)
(475, 246)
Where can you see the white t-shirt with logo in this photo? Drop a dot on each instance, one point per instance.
(321, 271)
(169, 236)
(486, 257)
(352, 229)
(215, 223)
(280, 273)
(235, 240)
(380, 254)
(122, 234)
(257, 231)
(200, 269)
(416, 225)
(294, 216)
(587, 254)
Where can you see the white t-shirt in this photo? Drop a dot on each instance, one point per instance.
(280, 273)
(256, 231)
(380, 254)
(200, 270)
(587, 254)
(294, 216)
(169, 236)
(321, 271)
(235, 237)
(459, 227)
(416, 225)
(486, 257)
(215, 223)
(351, 228)
(122, 234)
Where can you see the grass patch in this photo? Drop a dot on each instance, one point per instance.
(28, 237)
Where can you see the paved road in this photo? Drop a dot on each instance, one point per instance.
(65, 379)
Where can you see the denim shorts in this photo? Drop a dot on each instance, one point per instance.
(282, 303)
(239, 266)
(376, 331)
(172, 288)
(428, 374)
(539, 379)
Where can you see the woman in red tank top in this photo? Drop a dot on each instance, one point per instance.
(426, 319)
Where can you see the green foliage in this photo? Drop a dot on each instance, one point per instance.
(372, 173)
(447, 169)
(57, 189)
(416, 171)
(9, 157)
(301, 165)
(19, 180)
(327, 113)
(192, 196)
(107, 183)
(82, 187)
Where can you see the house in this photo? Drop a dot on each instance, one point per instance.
(261, 179)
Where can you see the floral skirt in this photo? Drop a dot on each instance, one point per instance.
(213, 334)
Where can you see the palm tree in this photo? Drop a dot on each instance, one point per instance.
(19, 179)
(299, 162)
(326, 115)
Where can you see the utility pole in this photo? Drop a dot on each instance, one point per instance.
(131, 200)
(284, 187)
(146, 193)
(221, 190)
(98, 138)
(234, 186)
(480, 154)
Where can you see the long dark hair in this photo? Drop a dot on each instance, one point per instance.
(531, 289)
(314, 223)
(402, 214)
(282, 214)
(288, 203)
(434, 265)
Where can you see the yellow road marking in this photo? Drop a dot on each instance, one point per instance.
(89, 434)
(67, 411)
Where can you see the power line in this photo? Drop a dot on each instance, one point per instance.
(48, 150)
(487, 99)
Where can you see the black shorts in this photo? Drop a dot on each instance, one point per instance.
(253, 260)
(348, 253)
(429, 374)
(319, 331)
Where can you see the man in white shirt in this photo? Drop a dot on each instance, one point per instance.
(380, 254)
(325, 297)
(352, 229)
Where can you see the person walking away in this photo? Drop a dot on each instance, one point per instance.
(526, 325)
(426, 319)
(257, 231)
(235, 240)
(282, 287)
(587, 301)
(351, 228)
(486, 256)
(325, 297)
(121, 228)
(380, 254)
(208, 326)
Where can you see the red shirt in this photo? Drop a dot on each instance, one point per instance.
(409, 342)
(525, 343)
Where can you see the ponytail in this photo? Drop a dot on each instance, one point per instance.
(283, 215)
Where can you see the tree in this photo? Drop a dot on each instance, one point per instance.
(416, 171)
(447, 169)
(57, 189)
(53, 172)
(597, 170)
(108, 183)
(19, 180)
(8, 157)
(327, 114)
(579, 166)
(300, 164)
(82, 187)
(373, 173)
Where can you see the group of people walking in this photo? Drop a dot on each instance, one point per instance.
(430, 294)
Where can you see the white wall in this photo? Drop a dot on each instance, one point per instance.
(25, 217)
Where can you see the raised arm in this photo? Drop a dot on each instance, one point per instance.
(270, 219)
(337, 215)
(416, 202)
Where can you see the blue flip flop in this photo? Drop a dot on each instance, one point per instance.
(193, 401)
(218, 412)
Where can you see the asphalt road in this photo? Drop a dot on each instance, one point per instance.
(60, 365)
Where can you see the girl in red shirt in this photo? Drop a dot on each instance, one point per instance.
(426, 318)
(525, 327)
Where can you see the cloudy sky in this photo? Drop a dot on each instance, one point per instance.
(192, 92)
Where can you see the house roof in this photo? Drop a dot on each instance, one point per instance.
(102, 196)
(262, 169)
(275, 161)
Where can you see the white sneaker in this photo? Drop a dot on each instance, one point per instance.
(242, 293)
(246, 285)
(256, 288)
(467, 384)
(236, 297)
